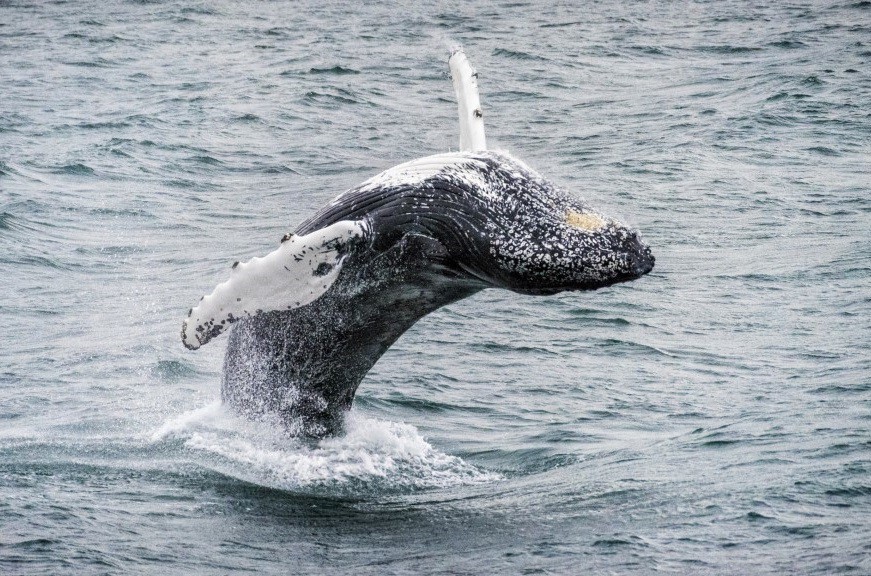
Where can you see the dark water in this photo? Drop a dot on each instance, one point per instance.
(713, 417)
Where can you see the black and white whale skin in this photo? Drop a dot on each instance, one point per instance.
(311, 318)
(430, 232)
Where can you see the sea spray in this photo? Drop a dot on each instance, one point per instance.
(372, 454)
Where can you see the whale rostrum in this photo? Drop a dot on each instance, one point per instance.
(313, 316)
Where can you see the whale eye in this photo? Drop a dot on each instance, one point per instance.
(587, 222)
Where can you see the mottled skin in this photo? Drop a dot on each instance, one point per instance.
(485, 220)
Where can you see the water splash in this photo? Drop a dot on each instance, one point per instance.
(373, 456)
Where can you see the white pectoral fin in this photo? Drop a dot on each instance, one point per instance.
(471, 115)
(297, 273)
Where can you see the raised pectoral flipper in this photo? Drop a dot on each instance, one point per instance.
(465, 80)
(297, 273)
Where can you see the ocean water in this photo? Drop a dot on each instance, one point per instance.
(712, 417)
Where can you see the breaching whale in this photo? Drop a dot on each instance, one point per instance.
(312, 317)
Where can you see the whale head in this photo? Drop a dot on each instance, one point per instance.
(542, 240)
(499, 222)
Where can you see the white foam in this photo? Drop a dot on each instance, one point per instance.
(187, 420)
(373, 454)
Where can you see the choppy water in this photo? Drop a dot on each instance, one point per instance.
(713, 417)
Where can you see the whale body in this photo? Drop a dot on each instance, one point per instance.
(311, 318)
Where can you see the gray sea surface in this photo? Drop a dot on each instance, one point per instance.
(712, 417)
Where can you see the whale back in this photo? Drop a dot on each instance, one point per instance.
(436, 230)
(305, 364)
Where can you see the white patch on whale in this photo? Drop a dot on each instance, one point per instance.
(297, 273)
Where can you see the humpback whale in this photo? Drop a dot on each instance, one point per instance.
(312, 317)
